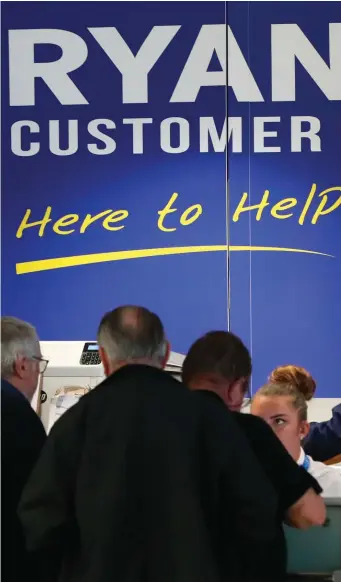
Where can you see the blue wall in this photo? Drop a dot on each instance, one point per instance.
(284, 304)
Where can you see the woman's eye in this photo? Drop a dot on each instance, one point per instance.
(279, 421)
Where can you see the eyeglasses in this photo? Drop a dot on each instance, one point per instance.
(247, 394)
(42, 364)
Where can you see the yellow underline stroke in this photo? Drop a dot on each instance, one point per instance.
(63, 262)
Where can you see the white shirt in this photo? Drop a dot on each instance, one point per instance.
(329, 477)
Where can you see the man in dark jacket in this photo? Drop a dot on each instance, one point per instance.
(218, 368)
(132, 486)
(324, 439)
(23, 437)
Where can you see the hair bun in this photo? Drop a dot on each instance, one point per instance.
(297, 377)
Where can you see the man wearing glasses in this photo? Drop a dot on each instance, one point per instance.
(218, 368)
(23, 436)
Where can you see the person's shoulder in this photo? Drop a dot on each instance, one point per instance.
(127, 386)
(264, 441)
(13, 403)
(140, 372)
(213, 411)
(249, 419)
(208, 402)
(149, 379)
(253, 425)
(10, 396)
(71, 419)
(208, 398)
(21, 426)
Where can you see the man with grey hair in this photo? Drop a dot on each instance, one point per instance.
(21, 360)
(23, 436)
(132, 334)
(130, 485)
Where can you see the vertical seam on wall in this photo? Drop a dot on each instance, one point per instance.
(250, 197)
(227, 189)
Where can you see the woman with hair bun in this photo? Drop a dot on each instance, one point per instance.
(283, 405)
(323, 440)
(295, 376)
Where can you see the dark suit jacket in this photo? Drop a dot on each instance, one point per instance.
(247, 497)
(289, 480)
(23, 437)
(324, 439)
(124, 492)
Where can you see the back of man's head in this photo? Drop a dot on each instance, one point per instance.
(220, 362)
(132, 334)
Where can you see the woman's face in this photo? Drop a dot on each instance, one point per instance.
(280, 414)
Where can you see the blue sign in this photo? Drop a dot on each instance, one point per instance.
(115, 167)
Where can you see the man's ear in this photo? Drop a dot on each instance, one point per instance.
(235, 394)
(166, 356)
(105, 361)
(20, 366)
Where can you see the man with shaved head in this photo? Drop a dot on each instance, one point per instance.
(131, 485)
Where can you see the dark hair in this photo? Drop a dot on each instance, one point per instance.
(295, 376)
(219, 352)
(297, 398)
(132, 333)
